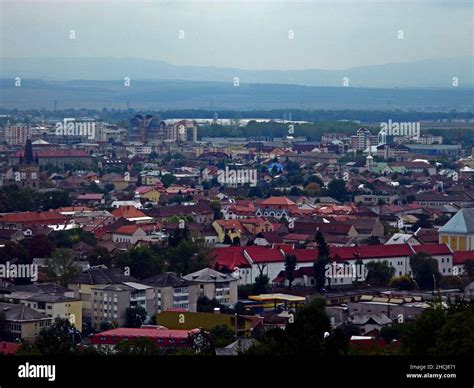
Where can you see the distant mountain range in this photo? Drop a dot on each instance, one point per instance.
(421, 74)
(171, 94)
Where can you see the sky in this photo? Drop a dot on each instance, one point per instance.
(258, 34)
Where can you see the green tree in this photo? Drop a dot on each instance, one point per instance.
(201, 342)
(58, 339)
(206, 305)
(379, 273)
(221, 336)
(135, 316)
(456, 337)
(261, 285)
(140, 346)
(418, 337)
(425, 271)
(337, 190)
(304, 337)
(321, 261)
(469, 268)
(61, 267)
(168, 180)
(403, 283)
(290, 267)
(187, 257)
(142, 261)
(39, 246)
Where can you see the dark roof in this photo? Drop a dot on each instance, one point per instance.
(167, 279)
(102, 276)
(179, 210)
(44, 288)
(20, 312)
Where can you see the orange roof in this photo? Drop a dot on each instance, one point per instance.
(128, 212)
(278, 201)
(230, 224)
(127, 229)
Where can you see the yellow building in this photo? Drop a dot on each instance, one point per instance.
(150, 193)
(57, 306)
(458, 232)
(232, 228)
(186, 320)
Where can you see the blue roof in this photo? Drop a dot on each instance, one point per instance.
(462, 222)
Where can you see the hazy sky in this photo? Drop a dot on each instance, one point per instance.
(246, 34)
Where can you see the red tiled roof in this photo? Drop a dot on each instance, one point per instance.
(371, 251)
(460, 257)
(230, 258)
(127, 229)
(37, 217)
(432, 249)
(128, 212)
(263, 255)
(278, 201)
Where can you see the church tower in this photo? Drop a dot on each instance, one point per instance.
(27, 175)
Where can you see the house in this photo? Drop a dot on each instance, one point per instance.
(276, 207)
(131, 213)
(172, 291)
(52, 305)
(370, 322)
(57, 157)
(12, 234)
(200, 212)
(458, 232)
(460, 258)
(215, 285)
(231, 228)
(402, 238)
(149, 193)
(396, 308)
(128, 234)
(22, 323)
(120, 181)
(91, 198)
(52, 219)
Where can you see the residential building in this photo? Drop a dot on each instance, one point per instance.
(173, 292)
(215, 285)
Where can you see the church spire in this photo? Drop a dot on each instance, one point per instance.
(28, 155)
